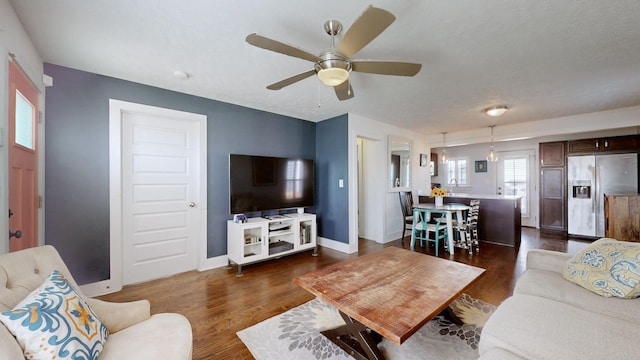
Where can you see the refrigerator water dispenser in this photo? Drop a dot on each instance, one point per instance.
(581, 189)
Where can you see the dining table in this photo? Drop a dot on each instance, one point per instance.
(448, 210)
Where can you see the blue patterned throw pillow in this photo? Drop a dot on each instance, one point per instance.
(607, 267)
(54, 322)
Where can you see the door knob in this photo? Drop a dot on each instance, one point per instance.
(192, 204)
(18, 233)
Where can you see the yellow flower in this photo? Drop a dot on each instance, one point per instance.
(438, 192)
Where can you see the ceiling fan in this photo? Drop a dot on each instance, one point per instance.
(334, 65)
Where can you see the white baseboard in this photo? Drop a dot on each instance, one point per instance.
(335, 245)
(395, 236)
(213, 263)
(100, 288)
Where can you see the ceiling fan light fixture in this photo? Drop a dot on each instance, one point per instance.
(496, 110)
(333, 76)
(333, 69)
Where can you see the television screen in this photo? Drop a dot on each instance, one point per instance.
(261, 183)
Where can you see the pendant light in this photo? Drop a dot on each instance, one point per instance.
(492, 156)
(443, 157)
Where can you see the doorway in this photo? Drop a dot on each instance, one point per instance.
(158, 191)
(24, 200)
(515, 176)
(370, 176)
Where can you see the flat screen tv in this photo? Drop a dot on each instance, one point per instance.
(263, 183)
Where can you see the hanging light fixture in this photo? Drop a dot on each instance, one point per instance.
(443, 157)
(493, 155)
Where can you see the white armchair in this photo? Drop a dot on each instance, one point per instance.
(133, 332)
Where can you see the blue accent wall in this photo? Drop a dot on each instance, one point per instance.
(332, 164)
(77, 159)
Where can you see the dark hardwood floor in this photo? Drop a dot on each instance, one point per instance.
(217, 303)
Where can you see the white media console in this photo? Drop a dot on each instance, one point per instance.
(260, 238)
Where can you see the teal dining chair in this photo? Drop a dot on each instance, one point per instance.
(424, 230)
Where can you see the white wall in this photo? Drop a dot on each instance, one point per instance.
(383, 216)
(13, 40)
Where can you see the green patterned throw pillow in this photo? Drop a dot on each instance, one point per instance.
(54, 322)
(609, 268)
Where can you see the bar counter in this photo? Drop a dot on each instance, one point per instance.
(499, 220)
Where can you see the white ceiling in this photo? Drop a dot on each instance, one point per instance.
(544, 58)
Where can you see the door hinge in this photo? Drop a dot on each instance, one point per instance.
(40, 201)
(40, 117)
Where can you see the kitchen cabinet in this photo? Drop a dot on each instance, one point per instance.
(553, 153)
(629, 143)
(553, 192)
(553, 199)
(622, 217)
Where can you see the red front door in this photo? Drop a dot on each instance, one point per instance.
(23, 161)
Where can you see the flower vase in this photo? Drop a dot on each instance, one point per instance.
(439, 200)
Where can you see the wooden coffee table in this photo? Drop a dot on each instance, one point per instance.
(392, 292)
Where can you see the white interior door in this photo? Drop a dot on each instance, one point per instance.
(163, 191)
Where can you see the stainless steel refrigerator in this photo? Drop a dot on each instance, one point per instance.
(590, 177)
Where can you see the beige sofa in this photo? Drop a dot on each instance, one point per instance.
(133, 332)
(549, 317)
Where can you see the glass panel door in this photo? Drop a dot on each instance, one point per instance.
(24, 199)
(514, 178)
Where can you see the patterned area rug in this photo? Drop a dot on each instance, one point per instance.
(295, 334)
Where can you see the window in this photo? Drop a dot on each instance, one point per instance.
(24, 119)
(457, 172)
(516, 180)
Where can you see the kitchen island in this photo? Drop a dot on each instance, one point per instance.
(499, 220)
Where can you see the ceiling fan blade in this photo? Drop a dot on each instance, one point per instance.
(367, 27)
(386, 67)
(279, 47)
(344, 91)
(288, 81)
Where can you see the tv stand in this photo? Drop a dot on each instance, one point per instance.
(274, 217)
(264, 238)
